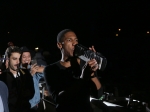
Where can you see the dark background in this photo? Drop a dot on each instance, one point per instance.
(37, 23)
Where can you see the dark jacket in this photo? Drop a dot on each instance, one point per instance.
(4, 95)
(21, 90)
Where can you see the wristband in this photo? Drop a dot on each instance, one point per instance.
(93, 76)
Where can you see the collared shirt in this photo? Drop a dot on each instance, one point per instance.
(16, 75)
(1, 105)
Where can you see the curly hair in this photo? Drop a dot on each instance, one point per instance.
(13, 49)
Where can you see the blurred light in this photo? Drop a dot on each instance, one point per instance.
(147, 31)
(127, 99)
(117, 35)
(119, 29)
(8, 32)
(106, 103)
(106, 93)
(36, 48)
(111, 104)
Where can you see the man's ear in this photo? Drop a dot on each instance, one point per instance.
(59, 45)
(6, 63)
(7, 60)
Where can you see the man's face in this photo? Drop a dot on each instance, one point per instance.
(69, 42)
(14, 61)
(26, 58)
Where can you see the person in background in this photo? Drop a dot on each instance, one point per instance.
(40, 59)
(36, 72)
(19, 82)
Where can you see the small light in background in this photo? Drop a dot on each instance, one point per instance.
(117, 35)
(119, 29)
(36, 48)
(8, 32)
(147, 32)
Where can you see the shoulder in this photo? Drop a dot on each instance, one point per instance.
(2, 83)
(52, 66)
(51, 69)
(3, 86)
(24, 71)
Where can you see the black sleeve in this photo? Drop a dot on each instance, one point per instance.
(47, 76)
(50, 80)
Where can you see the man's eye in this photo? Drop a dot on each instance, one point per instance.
(69, 40)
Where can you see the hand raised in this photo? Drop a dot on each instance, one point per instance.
(34, 69)
(93, 64)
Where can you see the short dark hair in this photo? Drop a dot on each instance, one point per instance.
(13, 49)
(61, 34)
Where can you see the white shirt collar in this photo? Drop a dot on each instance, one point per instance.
(15, 75)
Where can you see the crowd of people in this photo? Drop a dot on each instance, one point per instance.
(19, 79)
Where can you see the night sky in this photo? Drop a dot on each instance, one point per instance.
(34, 23)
